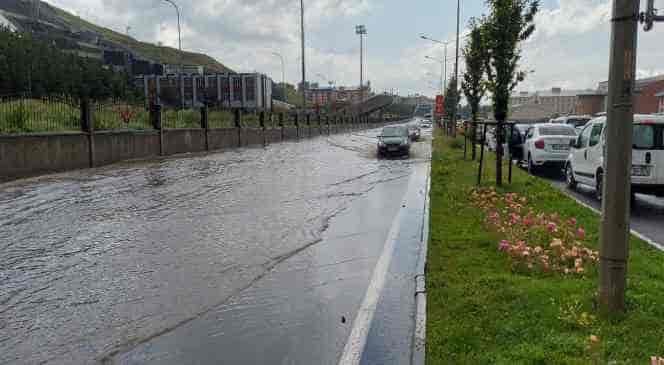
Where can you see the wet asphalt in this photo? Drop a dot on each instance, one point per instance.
(646, 216)
(251, 256)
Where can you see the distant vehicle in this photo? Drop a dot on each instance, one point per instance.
(394, 140)
(576, 121)
(425, 124)
(414, 132)
(585, 162)
(547, 144)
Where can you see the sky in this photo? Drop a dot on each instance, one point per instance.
(569, 49)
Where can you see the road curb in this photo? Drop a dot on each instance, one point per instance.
(419, 335)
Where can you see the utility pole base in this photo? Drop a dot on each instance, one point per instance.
(613, 282)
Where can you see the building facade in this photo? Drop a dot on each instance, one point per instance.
(591, 103)
(557, 100)
(646, 90)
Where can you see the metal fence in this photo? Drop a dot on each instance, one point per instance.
(180, 118)
(116, 114)
(220, 118)
(22, 114)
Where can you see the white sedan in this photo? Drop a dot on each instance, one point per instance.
(547, 144)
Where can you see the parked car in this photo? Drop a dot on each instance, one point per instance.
(576, 121)
(547, 144)
(394, 140)
(585, 163)
(414, 132)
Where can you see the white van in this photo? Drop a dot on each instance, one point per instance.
(585, 164)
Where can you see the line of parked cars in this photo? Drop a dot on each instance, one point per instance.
(577, 145)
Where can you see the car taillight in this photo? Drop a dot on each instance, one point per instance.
(539, 144)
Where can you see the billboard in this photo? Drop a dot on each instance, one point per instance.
(440, 106)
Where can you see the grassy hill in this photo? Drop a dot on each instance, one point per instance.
(152, 52)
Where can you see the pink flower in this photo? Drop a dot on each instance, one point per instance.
(504, 245)
(552, 227)
(572, 221)
(581, 233)
(578, 263)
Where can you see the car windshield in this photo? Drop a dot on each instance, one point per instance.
(557, 131)
(392, 132)
(578, 122)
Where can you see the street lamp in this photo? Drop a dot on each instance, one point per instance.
(304, 73)
(177, 10)
(283, 74)
(443, 63)
(361, 30)
(443, 72)
(456, 74)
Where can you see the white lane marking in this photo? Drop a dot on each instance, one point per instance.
(358, 336)
(643, 237)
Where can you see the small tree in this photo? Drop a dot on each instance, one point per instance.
(509, 23)
(451, 96)
(474, 84)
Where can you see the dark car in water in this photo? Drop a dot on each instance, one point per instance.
(414, 132)
(394, 140)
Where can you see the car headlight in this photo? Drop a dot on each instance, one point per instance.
(404, 141)
(381, 143)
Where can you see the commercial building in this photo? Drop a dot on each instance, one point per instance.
(591, 103)
(556, 100)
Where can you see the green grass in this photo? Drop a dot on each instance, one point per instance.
(109, 117)
(29, 116)
(479, 312)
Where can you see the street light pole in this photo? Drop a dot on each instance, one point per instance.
(283, 74)
(177, 10)
(304, 72)
(361, 30)
(456, 73)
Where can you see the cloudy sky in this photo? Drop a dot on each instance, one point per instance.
(569, 49)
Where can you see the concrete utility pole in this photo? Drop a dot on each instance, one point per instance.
(618, 159)
(456, 73)
(304, 72)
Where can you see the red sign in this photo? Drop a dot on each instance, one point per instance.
(440, 105)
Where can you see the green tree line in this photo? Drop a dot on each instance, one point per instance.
(38, 68)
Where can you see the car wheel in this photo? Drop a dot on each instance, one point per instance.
(599, 185)
(569, 177)
(531, 166)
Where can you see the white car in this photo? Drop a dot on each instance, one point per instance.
(547, 144)
(585, 164)
(576, 121)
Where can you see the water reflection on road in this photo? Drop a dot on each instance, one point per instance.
(97, 261)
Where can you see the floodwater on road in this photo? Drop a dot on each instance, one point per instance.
(96, 262)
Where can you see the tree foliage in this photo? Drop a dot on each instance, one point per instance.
(39, 68)
(451, 96)
(509, 23)
(474, 83)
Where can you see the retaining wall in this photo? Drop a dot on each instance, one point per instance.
(34, 154)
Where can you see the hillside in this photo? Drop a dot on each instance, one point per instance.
(22, 12)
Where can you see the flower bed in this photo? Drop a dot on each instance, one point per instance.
(535, 241)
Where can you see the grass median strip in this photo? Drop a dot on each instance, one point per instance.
(480, 310)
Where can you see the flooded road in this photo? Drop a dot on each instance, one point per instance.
(247, 256)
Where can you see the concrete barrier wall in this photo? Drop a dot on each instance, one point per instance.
(111, 147)
(29, 155)
(223, 138)
(252, 137)
(183, 141)
(273, 135)
(33, 154)
(290, 133)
